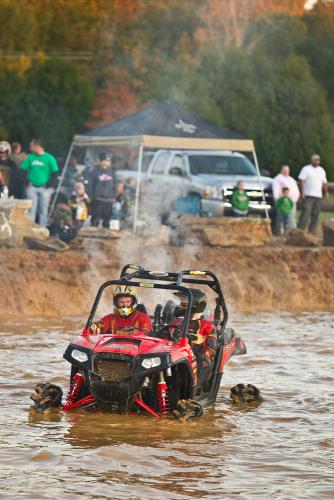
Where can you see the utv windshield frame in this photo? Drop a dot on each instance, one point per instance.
(168, 281)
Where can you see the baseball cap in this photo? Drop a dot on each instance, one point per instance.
(105, 156)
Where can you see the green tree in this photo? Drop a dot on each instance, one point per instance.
(11, 84)
(318, 47)
(53, 102)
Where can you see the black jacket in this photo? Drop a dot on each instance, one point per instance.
(14, 177)
(103, 184)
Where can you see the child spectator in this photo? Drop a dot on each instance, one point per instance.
(61, 223)
(240, 201)
(79, 202)
(284, 216)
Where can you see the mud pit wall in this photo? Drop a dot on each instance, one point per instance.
(254, 279)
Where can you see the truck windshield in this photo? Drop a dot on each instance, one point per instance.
(221, 165)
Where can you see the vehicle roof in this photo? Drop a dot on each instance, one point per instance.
(203, 152)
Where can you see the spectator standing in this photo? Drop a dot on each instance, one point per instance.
(130, 200)
(313, 183)
(10, 173)
(41, 168)
(284, 215)
(119, 207)
(71, 175)
(240, 201)
(103, 193)
(284, 180)
(17, 154)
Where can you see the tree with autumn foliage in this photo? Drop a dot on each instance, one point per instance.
(256, 66)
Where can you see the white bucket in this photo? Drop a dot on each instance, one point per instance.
(114, 224)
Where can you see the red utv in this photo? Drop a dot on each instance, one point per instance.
(139, 373)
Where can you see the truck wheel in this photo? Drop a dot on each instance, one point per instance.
(243, 394)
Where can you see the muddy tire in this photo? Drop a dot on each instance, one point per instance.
(46, 397)
(244, 394)
(187, 409)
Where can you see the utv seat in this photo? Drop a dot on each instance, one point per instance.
(142, 308)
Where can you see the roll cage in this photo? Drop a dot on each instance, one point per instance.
(130, 275)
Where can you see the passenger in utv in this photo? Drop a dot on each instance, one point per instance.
(126, 317)
(202, 333)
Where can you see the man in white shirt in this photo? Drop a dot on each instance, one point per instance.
(313, 183)
(284, 180)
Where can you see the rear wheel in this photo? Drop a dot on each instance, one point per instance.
(244, 394)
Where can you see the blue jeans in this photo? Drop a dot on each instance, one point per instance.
(284, 223)
(40, 197)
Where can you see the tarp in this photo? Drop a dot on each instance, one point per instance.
(163, 118)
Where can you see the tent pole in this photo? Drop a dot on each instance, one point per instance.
(260, 181)
(53, 204)
(135, 215)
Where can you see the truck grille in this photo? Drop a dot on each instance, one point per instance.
(112, 370)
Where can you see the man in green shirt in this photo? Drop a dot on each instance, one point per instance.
(40, 168)
(240, 201)
(284, 216)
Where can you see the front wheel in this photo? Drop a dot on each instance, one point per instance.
(46, 397)
(187, 409)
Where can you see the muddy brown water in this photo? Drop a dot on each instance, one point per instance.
(282, 449)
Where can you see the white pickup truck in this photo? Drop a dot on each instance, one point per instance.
(209, 175)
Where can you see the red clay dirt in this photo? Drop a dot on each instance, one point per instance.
(268, 278)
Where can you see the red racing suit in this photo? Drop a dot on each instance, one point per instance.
(203, 340)
(114, 323)
(203, 337)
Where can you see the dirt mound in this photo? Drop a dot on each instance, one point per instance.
(254, 279)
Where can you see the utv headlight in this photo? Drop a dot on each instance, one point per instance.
(79, 356)
(151, 363)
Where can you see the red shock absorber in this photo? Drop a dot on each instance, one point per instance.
(163, 399)
(74, 391)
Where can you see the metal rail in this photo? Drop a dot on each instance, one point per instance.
(168, 281)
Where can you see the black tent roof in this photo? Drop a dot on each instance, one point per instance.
(163, 119)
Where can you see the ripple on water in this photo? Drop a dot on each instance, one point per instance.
(281, 449)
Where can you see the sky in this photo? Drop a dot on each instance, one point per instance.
(309, 4)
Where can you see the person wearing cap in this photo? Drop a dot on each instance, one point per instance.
(9, 172)
(126, 318)
(313, 186)
(202, 333)
(41, 169)
(102, 191)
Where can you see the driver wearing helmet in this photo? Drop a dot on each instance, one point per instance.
(126, 316)
(202, 333)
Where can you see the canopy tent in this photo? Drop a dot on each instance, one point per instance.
(182, 137)
(166, 119)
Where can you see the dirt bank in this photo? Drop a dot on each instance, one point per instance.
(254, 279)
